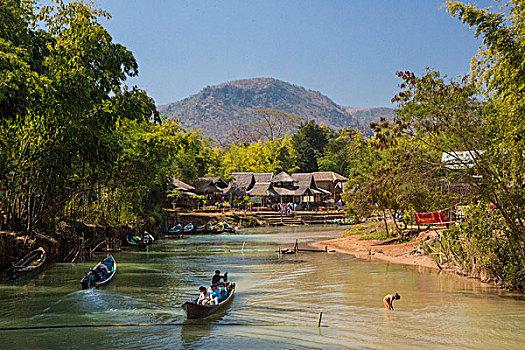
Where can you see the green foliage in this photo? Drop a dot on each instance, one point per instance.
(77, 143)
(481, 114)
(274, 155)
(478, 247)
(309, 143)
(344, 153)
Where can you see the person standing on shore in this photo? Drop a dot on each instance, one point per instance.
(389, 299)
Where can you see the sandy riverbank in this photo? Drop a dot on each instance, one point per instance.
(372, 249)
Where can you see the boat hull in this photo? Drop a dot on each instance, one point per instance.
(29, 263)
(86, 284)
(195, 311)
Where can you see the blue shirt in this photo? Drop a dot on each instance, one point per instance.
(215, 293)
(224, 293)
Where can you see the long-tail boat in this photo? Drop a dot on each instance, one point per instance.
(97, 276)
(194, 310)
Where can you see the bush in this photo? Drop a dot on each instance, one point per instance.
(480, 247)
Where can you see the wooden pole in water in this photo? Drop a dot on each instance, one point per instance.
(242, 250)
(296, 246)
(320, 317)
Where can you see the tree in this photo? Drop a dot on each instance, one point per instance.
(309, 143)
(268, 124)
(62, 98)
(273, 123)
(274, 156)
(344, 152)
(481, 114)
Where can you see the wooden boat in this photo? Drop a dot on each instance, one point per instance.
(217, 229)
(225, 227)
(93, 277)
(188, 229)
(175, 230)
(194, 310)
(204, 229)
(132, 239)
(147, 238)
(30, 262)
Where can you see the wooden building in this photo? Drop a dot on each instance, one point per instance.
(331, 182)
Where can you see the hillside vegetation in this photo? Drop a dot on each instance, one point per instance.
(218, 109)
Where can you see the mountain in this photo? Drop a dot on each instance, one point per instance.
(216, 110)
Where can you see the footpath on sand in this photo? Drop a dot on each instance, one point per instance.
(399, 253)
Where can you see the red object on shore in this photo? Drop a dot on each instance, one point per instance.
(435, 217)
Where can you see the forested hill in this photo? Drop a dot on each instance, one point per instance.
(218, 109)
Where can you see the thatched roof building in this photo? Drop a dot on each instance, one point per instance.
(182, 187)
(211, 185)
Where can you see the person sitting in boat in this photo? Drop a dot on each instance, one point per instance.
(223, 292)
(214, 294)
(103, 271)
(216, 279)
(204, 297)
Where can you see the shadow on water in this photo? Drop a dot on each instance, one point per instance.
(193, 331)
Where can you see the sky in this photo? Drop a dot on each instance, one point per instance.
(348, 50)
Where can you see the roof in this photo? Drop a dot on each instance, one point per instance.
(304, 179)
(240, 184)
(215, 180)
(305, 182)
(288, 190)
(181, 186)
(210, 185)
(263, 177)
(460, 160)
(282, 177)
(263, 189)
(329, 176)
(321, 191)
(242, 180)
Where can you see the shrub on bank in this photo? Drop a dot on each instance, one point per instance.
(482, 247)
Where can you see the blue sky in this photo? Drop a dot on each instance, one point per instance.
(347, 50)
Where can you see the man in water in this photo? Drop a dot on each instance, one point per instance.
(389, 299)
(216, 279)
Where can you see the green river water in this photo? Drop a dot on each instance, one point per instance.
(276, 305)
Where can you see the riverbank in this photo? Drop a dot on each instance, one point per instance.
(71, 241)
(397, 253)
(250, 218)
(370, 240)
(388, 250)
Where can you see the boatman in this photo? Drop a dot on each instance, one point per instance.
(389, 299)
(216, 279)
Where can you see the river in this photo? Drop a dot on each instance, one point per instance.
(276, 306)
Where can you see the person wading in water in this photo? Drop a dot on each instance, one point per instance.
(389, 299)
